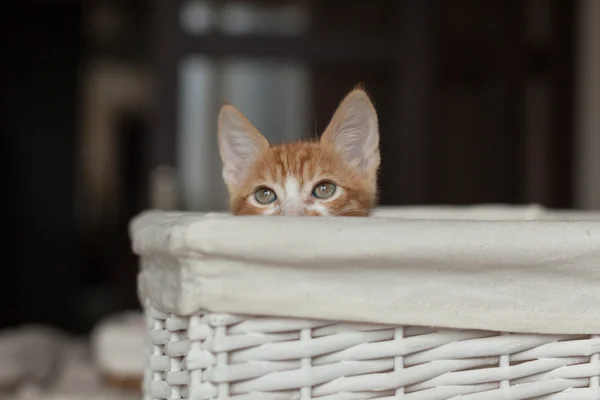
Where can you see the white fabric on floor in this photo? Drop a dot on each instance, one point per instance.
(39, 363)
(519, 269)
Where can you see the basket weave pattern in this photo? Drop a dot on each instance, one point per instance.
(217, 356)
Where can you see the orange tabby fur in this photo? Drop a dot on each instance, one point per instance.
(292, 170)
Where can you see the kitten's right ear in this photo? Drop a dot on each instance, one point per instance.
(354, 133)
(240, 144)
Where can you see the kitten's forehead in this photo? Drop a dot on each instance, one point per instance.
(302, 161)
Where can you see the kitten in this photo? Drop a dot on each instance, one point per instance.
(336, 175)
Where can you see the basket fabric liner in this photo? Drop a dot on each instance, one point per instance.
(516, 269)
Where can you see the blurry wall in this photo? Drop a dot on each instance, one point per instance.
(41, 50)
(587, 150)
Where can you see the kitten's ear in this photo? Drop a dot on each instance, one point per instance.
(354, 132)
(240, 144)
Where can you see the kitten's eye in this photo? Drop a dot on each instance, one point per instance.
(265, 195)
(324, 190)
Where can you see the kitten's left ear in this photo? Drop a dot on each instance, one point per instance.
(240, 145)
(354, 132)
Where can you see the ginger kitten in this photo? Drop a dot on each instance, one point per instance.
(335, 176)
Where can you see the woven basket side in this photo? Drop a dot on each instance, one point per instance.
(217, 356)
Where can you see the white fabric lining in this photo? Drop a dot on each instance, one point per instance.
(519, 269)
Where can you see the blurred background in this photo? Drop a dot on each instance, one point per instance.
(109, 107)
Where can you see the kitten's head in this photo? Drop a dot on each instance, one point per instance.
(336, 175)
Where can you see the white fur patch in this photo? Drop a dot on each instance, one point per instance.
(293, 203)
(270, 211)
(292, 189)
(319, 208)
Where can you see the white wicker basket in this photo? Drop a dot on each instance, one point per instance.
(414, 303)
